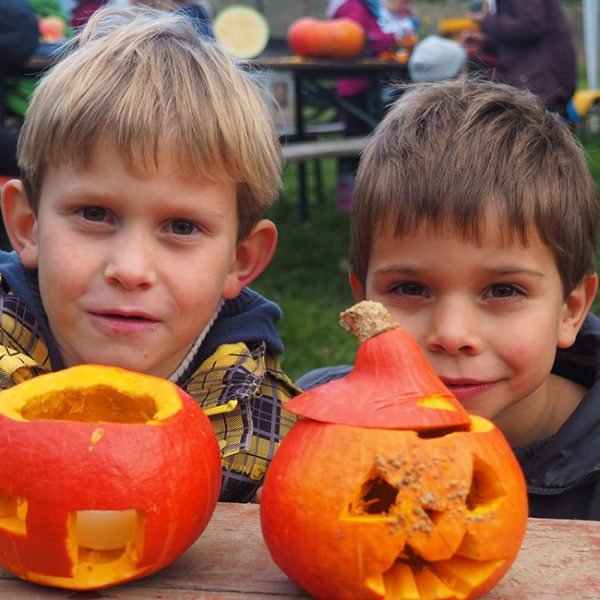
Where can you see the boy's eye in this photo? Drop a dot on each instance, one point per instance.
(504, 291)
(93, 213)
(182, 227)
(410, 289)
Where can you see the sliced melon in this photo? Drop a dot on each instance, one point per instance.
(242, 30)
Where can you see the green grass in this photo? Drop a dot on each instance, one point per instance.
(308, 275)
(308, 279)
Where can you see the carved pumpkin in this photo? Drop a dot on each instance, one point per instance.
(106, 476)
(387, 488)
(329, 38)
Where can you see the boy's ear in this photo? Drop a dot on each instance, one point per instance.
(357, 288)
(576, 307)
(252, 256)
(20, 222)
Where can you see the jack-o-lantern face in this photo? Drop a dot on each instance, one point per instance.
(106, 476)
(378, 512)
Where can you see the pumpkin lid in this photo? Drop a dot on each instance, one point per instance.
(392, 386)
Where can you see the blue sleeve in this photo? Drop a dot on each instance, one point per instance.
(320, 376)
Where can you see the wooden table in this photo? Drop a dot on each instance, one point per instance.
(313, 77)
(313, 71)
(558, 560)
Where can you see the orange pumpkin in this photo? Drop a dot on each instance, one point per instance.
(387, 488)
(106, 476)
(329, 38)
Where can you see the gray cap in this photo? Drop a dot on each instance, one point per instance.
(436, 59)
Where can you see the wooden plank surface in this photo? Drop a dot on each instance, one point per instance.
(558, 560)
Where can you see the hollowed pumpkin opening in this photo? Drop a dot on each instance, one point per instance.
(91, 394)
(101, 403)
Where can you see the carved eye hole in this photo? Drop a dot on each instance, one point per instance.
(375, 497)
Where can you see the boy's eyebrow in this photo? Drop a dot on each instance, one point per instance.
(77, 191)
(502, 270)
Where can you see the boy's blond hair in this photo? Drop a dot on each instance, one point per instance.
(448, 152)
(145, 80)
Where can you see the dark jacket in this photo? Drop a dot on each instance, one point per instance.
(235, 376)
(19, 33)
(562, 471)
(534, 48)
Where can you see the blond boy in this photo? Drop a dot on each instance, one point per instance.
(474, 222)
(148, 159)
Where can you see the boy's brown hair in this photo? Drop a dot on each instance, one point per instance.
(144, 80)
(448, 152)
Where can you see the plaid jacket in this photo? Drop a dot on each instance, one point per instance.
(241, 389)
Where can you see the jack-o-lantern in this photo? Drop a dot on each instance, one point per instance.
(106, 476)
(387, 488)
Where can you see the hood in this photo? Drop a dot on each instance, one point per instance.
(571, 456)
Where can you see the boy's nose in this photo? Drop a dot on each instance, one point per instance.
(454, 328)
(130, 263)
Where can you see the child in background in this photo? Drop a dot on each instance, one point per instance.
(200, 12)
(84, 9)
(397, 17)
(474, 222)
(148, 159)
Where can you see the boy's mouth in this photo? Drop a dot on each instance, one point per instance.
(134, 316)
(119, 321)
(465, 389)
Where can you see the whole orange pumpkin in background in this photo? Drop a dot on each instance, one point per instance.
(387, 488)
(328, 38)
(106, 476)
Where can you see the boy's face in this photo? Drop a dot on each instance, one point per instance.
(131, 270)
(488, 317)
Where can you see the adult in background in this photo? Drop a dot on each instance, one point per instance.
(534, 47)
(19, 37)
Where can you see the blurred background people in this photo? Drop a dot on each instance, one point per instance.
(19, 38)
(353, 91)
(436, 58)
(54, 27)
(201, 12)
(397, 17)
(84, 9)
(533, 47)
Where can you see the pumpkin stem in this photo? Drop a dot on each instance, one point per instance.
(366, 320)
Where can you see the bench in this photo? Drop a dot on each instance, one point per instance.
(317, 149)
(321, 148)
